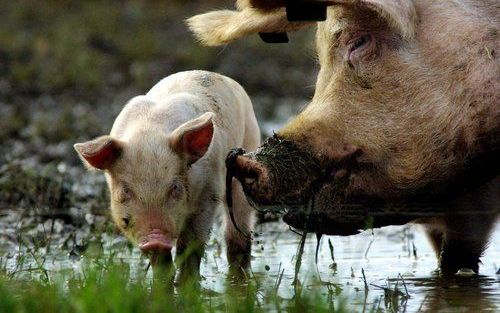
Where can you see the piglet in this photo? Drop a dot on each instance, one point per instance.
(164, 165)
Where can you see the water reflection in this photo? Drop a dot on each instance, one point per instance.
(398, 264)
(478, 293)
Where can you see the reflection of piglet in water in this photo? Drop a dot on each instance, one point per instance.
(404, 124)
(164, 164)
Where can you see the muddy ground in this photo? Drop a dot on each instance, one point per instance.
(66, 70)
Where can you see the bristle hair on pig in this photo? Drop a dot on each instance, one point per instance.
(164, 166)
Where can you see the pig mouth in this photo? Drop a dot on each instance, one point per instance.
(157, 247)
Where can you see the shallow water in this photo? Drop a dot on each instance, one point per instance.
(391, 258)
(383, 255)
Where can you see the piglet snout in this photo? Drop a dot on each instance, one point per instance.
(157, 246)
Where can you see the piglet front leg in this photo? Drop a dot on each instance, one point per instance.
(190, 246)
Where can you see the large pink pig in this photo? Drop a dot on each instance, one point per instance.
(164, 165)
(404, 123)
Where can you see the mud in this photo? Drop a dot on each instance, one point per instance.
(293, 173)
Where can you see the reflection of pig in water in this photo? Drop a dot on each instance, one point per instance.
(404, 123)
(164, 164)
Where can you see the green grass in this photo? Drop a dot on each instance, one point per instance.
(99, 280)
(111, 287)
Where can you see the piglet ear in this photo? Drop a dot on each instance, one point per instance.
(193, 138)
(99, 153)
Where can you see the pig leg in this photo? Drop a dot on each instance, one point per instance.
(465, 236)
(464, 241)
(436, 239)
(458, 242)
(191, 244)
(434, 229)
(238, 246)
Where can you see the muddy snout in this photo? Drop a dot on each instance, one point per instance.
(278, 172)
(158, 247)
(253, 175)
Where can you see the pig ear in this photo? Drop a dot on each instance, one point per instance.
(99, 153)
(220, 27)
(193, 138)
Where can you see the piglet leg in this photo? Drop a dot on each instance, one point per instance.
(191, 244)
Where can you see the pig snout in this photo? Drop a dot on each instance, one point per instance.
(279, 172)
(157, 246)
(253, 175)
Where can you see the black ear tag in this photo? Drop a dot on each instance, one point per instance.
(274, 37)
(305, 10)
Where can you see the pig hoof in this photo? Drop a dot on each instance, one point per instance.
(458, 254)
(237, 274)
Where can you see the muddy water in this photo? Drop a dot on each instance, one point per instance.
(387, 258)
(392, 258)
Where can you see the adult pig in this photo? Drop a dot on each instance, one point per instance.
(404, 122)
(164, 165)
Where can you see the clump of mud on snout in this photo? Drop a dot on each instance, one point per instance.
(277, 173)
(282, 176)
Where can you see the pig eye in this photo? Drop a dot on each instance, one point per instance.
(176, 190)
(357, 47)
(361, 41)
(125, 193)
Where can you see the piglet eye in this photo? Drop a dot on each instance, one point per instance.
(125, 193)
(176, 190)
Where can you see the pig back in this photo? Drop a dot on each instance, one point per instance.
(197, 92)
